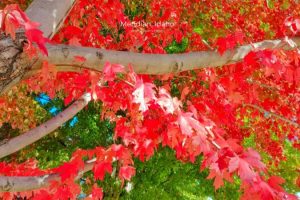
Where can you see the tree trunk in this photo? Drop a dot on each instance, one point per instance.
(13, 63)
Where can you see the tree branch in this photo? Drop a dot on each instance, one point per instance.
(63, 55)
(15, 144)
(273, 114)
(50, 14)
(27, 183)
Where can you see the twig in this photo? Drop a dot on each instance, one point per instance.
(273, 114)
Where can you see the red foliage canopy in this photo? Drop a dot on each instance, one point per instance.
(205, 118)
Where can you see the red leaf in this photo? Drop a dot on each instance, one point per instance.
(13, 17)
(233, 164)
(101, 168)
(68, 170)
(143, 94)
(97, 193)
(184, 93)
(188, 124)
(218, 182)
(36, 36)
(254, 159)
(244, 169)
(166, 102)
(275, 182)
(245, 172)
(63, 193)
(79, 58)
(110, 71)
(42, 195)
(126, 172)
(229, 42)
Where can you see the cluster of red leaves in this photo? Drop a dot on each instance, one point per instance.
(234, 89)
(152, 117)
(22, 3)
(13, 18)
(203, 123)
(106, 24)
(239, 22)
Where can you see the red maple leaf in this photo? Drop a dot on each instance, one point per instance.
(126, 172)
(67, 170)
(143, 94)
(188, 124)
(12, 18)
(97, 193)
(79, 58)
(42, 195)
(275, 182)
(34, 35)
(166, 102)
(245, 171)
(110, 71)
(218, 179)
(254, 159)
(229, 42)
(101, 168)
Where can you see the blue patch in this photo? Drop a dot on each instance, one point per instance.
(53, 110)
(81, 196)
(73, 121)
(43, 99)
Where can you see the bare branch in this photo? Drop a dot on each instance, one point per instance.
(63, 56)
(15, 144)
(27, 183)
(273, 114)
(49, 13)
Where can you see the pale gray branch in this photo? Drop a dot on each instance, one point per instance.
(260, 109)
(49, 13)
(27, 183)
(63, 56)
(15, 144)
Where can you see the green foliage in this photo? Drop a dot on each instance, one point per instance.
(176, 47)
(88, 133)
(288, 169)
(164, 177)
(56, 148)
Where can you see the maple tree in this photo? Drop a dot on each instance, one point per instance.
(216, 74)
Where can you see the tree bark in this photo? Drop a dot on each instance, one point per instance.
(13, 63)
